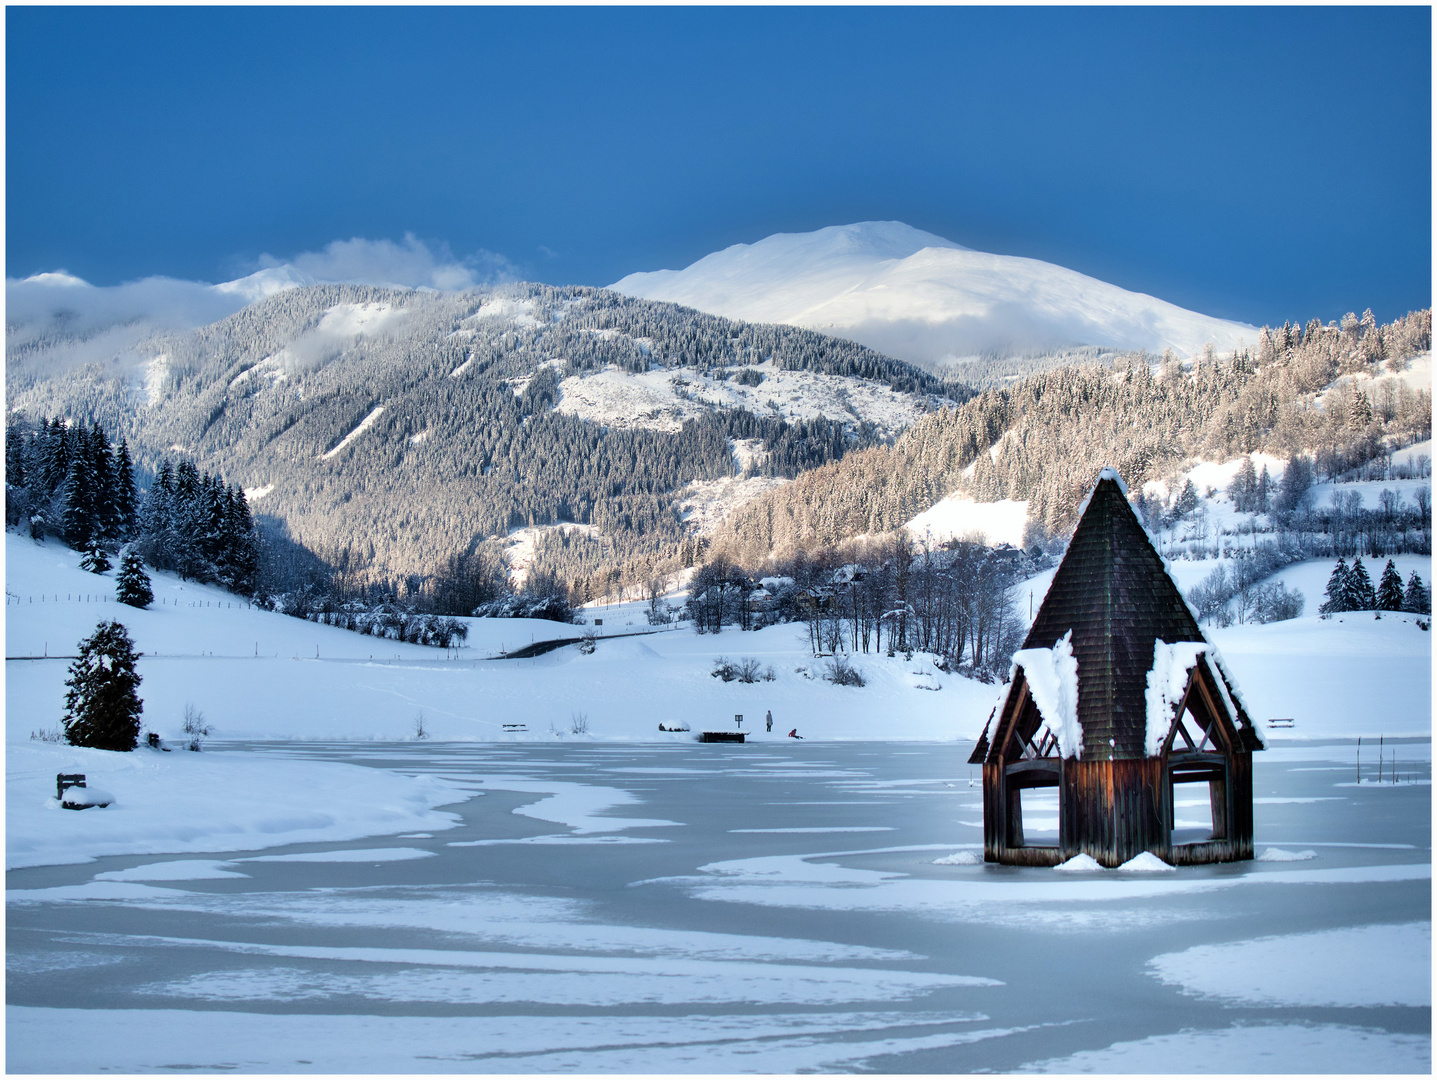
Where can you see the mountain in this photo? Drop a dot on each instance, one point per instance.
(393, 428)
(921, 298)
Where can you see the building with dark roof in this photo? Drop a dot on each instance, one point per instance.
(1120, 711)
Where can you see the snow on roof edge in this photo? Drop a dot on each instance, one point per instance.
(1052, 677)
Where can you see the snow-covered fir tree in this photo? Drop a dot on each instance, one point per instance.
(1416, 597)
(1360, 594)
(1338, 594)
(95, 561)
(102, 708)
(132, 584)
(1389, 589)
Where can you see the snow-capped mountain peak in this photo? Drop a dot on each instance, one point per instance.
(922, 298)
(263, 284)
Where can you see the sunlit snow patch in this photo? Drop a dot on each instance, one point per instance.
(1275, 1048)
(175, 870)
(1352, 967)
(1273, 854)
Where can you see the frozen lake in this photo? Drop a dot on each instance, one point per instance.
(725, 908)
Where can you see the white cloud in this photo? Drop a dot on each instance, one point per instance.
(64, 306)
(72, 321)
(409, 264)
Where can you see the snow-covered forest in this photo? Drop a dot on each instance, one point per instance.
(1336, 394)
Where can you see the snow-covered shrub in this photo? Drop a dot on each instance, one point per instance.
(528, 606)
(748, 670)
(588, 643)
(195, 727)
(1275, 603)
(394, 624)
(724, 669)
(841, 673)
(578, 723)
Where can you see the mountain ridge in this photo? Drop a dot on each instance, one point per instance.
(925, 299)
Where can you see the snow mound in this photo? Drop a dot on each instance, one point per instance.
(1082, 863)
(1146, 863)
(961, 858)
(1274, 854)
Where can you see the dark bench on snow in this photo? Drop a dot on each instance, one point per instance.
(721, 736)
(66, 780)
(1281, 723)
(516, 727)
(70, 789)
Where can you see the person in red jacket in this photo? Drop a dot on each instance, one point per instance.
(794, 734)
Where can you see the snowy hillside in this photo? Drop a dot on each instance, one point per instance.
(662, 399)
(925, 299)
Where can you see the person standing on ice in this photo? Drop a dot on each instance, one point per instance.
(768, 721)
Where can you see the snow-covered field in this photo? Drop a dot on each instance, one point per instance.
(345, 898)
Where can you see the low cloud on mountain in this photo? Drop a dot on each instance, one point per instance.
(109, 319)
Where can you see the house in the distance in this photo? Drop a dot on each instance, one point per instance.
(1118, 705)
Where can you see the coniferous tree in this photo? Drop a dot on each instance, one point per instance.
(1361, 595)
(102, 473)
(1243, 489)
(1337, 594)
(127, 500)
(1389, 589)
(95, 560)
(132, 584)
(77, 508)
(102, 709)
(1416, 598)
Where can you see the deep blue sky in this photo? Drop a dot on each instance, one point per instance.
(1257, 164)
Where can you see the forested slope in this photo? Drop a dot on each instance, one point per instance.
(1332, 392)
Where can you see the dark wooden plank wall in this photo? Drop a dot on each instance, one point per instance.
(1116, 810)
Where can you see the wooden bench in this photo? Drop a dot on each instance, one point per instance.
(516, 727)
(1282, 723)
(721, 736)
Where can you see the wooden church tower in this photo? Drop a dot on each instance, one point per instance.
(1118, 702)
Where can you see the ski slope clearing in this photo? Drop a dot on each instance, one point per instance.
(925, 299)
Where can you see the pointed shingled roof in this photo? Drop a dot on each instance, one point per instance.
(1114, 593)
